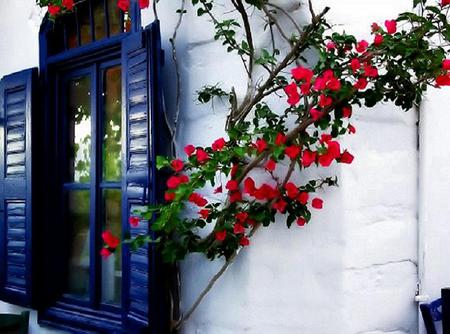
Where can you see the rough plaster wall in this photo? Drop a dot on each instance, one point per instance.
(353, 269)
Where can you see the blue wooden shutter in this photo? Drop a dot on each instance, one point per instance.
(145, 303)
(16, 265)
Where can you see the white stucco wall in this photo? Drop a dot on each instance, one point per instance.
(354, 268)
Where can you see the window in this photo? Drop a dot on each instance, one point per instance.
(77, 146)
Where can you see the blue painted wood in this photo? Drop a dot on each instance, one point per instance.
(16, 234)
(431, 313)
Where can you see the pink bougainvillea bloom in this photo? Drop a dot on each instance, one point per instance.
(134, 221)
(445, 2)
(218, 145)
(68, 4)
(53, 10)
(197, 199)
(261, 145)
(201, 155)
(375, 27)
(204, 213)
(446, 64)
(280, 139)
(266, 191)
(370, 71)
(291, 190)
(303, 197)
(184, 178)
(244, 242)
(325, 101)
(347, 112)
(443, 80)
(326, 159)
(173, 182)
(361, 46)
(301, 221)
(291, 91)
(169, 196)
(391, 26)
(144, 4)
(351, 129)
(361, 84)
(249, 186)
(320, 84)
(221, 235)
(334, 84)
(241, 217)
(110, 240)
(292, 151)
(334, 149)
(331, 46)
(270, 165)
(317, 203)
(355, 64)
(305, 88)
(315, 114)
(177, 165)
(236, 196)
(218, 190)
(189, 149)
(238, 229)
(123, 5)
(325, 138)
(105, 253)
(378, 40)
(232, 185)
(346, 158)
(308, 158)
(302, 73)
(280, 205)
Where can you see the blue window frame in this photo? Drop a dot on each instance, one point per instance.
(80, 183)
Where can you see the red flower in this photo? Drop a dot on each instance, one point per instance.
(235, 196)
(270, 165)
(242, 217)
(334, 84)
(346, 158)
(391, 26)
(446, 64)
(232, 185)
(54, 10)
(291, 190)
(308, 158)
(443, 80)
(445, 2)
(325, 138)
(169, 196)
(202, 156)
(302, 73)
(325, 101)
(134, 221)
(301, 221)
(305, 88)
(361, 84)
(177, 165)
(280, 139)
(221, 235)
(292, 151)
(331, 45)
(68, 4)
(351, 129)
(317, 203)
(280, 206)
(204, 213)
(261, 145)
(370, 71)
(249, 186)
(266, 191)
(189, 149)
(244, 242)
(184, 178)
(315, 114)
(234, 170)
(110, 240)
(292, 93)
(218, 190)
(144, 4)
(355, 64)
(173, 182)
(197, 199)
(219, 144)
(326, 159)
(346, 112)
(375, 27)
(238, 229)
(320, 84)
(303, 197)
(378, 40)
(362, 46)
(105, 253)
(334, 149)
(123, 5)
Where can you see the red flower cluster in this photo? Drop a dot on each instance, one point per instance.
(445, 2)
(198, 199)
(111, 243)
(134, 221)
(444, 79)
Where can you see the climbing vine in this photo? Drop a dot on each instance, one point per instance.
(319, 75)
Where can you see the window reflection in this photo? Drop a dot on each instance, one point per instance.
(79, 114)
(84, 18)
(112, 124)
(99, 20)
(115, 18)
(77, 208)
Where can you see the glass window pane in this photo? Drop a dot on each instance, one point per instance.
(84, 22)
(71, 31)
(79, 129)
(77, 213)
(114, 17)
(112, 124)
(112, 266)
(99, 20)
(56, 37)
